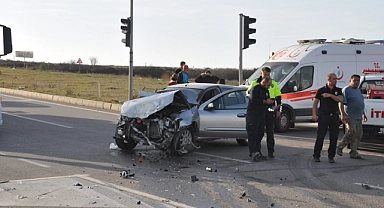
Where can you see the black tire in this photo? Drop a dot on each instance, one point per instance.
(242, 142)
(128, 144)
(283, 122)
(181, 141)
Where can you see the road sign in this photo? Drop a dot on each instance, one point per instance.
(79, 61)
(24, 54)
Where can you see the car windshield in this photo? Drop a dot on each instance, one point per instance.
(279, 70)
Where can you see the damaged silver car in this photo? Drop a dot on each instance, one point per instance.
(167, 121)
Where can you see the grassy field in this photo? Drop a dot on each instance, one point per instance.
(113, 88)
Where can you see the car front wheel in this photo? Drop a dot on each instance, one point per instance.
(182, 142)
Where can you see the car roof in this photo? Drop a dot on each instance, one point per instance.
(202, 86)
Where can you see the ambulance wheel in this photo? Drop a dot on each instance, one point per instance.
(283, 122)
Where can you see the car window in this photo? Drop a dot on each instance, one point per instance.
(209, 94)
(232, 100)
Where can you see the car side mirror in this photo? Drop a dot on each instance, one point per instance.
(295, 88)
(210, 106)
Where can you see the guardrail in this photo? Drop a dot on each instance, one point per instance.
(63, 99)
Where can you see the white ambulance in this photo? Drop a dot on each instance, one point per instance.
(372, 88)
(301, 70)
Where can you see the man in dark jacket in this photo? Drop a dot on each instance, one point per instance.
(255, 118)
(182, 63)
(207, 77)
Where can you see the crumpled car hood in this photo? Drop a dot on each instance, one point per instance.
(144, 107)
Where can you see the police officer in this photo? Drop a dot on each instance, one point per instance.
(273, 111)
(329, 97)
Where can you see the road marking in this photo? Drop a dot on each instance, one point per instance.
(225, 158)
(2, 153)
(69, 106)
(41, 121)
(34, 163)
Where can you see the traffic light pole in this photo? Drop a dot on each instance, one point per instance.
(241, 51)
(130, 96)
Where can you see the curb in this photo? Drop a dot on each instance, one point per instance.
(63, 99)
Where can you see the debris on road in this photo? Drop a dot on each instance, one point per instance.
(113, 146)
(194, 178)
(242, 194)
(208, 169)
(77, 184)
(366, 186)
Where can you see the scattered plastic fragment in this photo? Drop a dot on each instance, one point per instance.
(139, 202)
(366, 186)
(194, 178)
(113, 146)
(208, 169)
(77, 184)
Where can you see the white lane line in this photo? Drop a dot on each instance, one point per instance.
(34, 163)
(39, 101)
(41, 121)
(225, 158)
(2, 153)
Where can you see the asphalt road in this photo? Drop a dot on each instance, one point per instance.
(48, 148)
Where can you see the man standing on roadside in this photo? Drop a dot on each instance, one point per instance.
(352, 115)
(328, 117)
(183, 75)
(273, 111)
(255, 117)
(182, 63)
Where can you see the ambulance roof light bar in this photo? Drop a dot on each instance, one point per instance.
(311, 41)
(381, 42)
(366, 71)
(349, 41)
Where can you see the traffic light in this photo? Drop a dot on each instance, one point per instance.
(247, 31)
(7, 40)
(126, 29)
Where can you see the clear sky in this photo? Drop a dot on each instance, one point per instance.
(204, 33)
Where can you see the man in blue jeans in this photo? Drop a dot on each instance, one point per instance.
(352, 115)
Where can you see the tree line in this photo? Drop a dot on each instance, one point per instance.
(142, 71)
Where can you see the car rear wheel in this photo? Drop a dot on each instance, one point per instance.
(242, 142)
(182, 142)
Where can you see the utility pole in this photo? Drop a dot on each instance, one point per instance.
(131, 55)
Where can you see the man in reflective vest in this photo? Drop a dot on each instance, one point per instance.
(273, 110)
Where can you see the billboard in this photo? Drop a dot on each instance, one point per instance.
(24, 54)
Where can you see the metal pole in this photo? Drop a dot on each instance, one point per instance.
(131, 55)
(241, 51)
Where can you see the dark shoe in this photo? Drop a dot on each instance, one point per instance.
(339, 151)
(331, 160)
(263, 157)
(271, 156)
(256, 156)
(316, 159)
(358, 157)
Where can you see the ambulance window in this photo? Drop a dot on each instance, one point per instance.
(301, 80)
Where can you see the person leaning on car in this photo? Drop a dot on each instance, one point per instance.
(273, 110)
(255, 117)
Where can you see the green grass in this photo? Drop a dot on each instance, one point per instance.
(113, 88)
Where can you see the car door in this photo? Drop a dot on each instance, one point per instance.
(223, 116)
